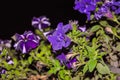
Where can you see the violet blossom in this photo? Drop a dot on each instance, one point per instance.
(101, 12)
(41, 22)
(69, 63)
(2, 71)
(26, 41)
(59, 39)
(107, 8)
(82, 28)
(113, 5)
(64, 28)
(9, 61)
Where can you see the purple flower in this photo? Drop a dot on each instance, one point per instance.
(82, 28)
(101, 12)
(98, 0)
(85, 6)
(64, 28)
(117, 11)
(2, 71)
(109, 14)
(114, 5)
(67, 62)
(26, 42)
(58, 39)
(40, 23)
(107, 8)
(62, 58)
(9, 61)
(104, 10)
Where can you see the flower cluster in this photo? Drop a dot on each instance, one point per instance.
(107, 8)
(103, 11)
(5, 44)
(113, 5)
(86, 6)
(90, 6)
(68, 47)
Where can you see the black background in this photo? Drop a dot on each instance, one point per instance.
(16, 16)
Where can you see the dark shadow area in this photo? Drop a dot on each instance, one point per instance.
(16, 16)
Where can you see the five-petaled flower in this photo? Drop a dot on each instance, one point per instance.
(59, 39)
(69, 63)
(40, 23)
(26, 42)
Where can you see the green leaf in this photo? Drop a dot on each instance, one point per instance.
(98, 32)
(4, 52)
(87, 78)
(95, 28)
(117, 48)
(118, 30)
(94, 43)
(30, 60)
(62, 74)
(102, 69)
(67, 78)
(107, 39)
(3, 76)
(6, 65)
(91, 52)
(51, 71)
(17, 73)
(85, 68)
(101, 54)
(115, 32)
(56, 67)
(92, 65)
(15, 62)
(104, 23)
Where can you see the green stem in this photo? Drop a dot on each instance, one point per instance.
(115, 19)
